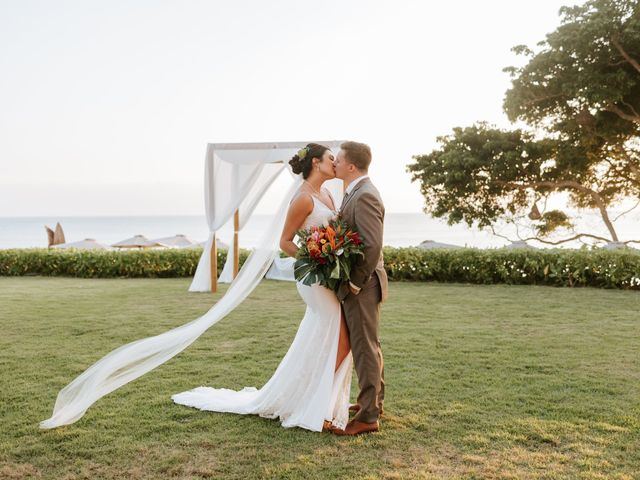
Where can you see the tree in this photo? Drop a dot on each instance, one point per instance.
(579, 95)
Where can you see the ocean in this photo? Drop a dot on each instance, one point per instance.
(401, 230)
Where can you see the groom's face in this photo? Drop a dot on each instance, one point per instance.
(341, 165)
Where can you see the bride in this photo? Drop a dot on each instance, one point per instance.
(310, 388)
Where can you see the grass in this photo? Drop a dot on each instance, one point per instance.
(482, 382)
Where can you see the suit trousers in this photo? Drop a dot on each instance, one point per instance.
(362, 315)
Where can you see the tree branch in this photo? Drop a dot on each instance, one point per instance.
(625, 116)
(493, 230)
(633, 110)
(627, 211)
(570, 184)
(625, 55)
(576, 237)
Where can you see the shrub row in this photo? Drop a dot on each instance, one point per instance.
(562, 268)
(105, 264)
(571, 268)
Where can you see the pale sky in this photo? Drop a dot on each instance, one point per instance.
(106, 107)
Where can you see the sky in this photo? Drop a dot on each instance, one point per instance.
(106, 107)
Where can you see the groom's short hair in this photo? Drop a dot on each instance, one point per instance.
(358, 154)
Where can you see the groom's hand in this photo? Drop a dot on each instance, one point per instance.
(353, 289)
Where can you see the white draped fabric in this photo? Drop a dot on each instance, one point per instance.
(282, 269)
(248, 205)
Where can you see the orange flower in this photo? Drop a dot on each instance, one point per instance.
(331, 235)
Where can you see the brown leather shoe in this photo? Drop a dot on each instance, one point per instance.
(357, 428)
(327, 426)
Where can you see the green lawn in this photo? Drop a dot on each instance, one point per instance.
(482, 382)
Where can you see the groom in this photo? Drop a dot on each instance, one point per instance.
(363, 211)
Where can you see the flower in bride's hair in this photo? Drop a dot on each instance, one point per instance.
(302, 153)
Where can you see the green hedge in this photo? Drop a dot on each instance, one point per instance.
(571, 268)
(105, 264)
(562, 268)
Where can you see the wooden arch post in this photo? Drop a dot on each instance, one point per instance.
(236, 254)
(214, 265)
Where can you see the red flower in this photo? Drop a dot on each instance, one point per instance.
(354, 237)
(314, 249)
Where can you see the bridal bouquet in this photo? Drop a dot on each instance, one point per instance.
(326, 254)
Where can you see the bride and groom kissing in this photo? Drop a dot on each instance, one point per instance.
(311, 386)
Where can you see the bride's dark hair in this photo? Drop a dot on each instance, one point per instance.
(301, 162)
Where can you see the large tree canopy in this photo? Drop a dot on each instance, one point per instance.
(580, 96)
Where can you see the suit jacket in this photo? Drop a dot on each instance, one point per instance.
(363, 211)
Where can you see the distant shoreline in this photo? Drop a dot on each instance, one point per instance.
(402, 229)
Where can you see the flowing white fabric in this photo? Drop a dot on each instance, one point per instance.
(130, 361)
(282, 269)
(245, 210)
(228, 182)
(305, 389)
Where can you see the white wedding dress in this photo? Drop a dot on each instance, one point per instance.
(304, 390)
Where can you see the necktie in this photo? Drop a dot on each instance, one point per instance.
(344, 200)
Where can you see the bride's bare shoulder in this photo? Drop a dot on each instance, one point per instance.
(302, 202)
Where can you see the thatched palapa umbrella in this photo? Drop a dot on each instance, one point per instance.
(86, 244)
(177, 241)
(55, 238)
(138, 241)
(219, 243)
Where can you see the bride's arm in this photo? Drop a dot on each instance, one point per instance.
(299, 209)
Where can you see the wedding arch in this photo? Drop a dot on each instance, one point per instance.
(237, 176)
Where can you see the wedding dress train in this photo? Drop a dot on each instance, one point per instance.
(305, 389)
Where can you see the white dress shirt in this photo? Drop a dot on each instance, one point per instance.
(348, 191)
(353, 184)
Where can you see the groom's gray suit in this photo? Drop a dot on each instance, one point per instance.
(363, 211)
